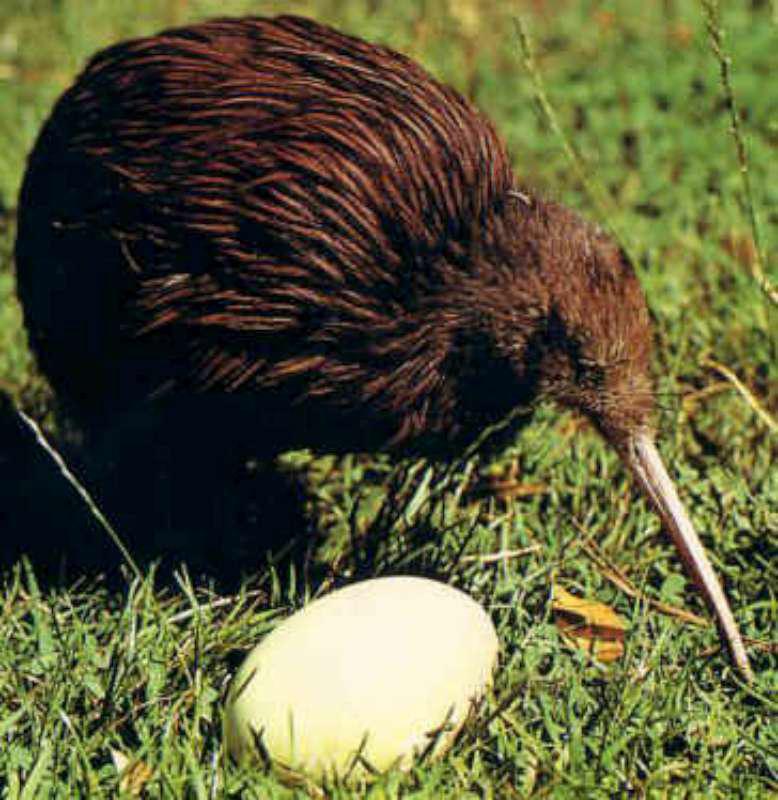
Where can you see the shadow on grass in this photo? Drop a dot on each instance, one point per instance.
(206, 504)
(178, 490)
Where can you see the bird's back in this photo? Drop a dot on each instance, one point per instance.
(253, 203)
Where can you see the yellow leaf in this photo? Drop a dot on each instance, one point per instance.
(133, 774)
(589, 625)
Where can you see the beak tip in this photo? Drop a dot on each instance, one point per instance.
(646, 464)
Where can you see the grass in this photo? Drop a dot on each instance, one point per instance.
(637, 89)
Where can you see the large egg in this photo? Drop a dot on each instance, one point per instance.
(377, 672)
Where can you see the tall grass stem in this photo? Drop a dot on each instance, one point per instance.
(716, 39)
(82, 491)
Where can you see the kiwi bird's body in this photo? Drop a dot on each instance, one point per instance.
(271, 207)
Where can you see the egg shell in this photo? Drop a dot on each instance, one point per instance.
(373, 669)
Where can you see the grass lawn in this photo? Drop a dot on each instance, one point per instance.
(86, 671)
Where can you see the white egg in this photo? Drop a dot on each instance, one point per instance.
(369, 673)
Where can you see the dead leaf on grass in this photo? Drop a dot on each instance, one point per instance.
(133, 773)
(589, 625)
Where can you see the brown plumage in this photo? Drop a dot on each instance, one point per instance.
(270, 209)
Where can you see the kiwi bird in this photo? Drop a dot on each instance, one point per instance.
(271, 209)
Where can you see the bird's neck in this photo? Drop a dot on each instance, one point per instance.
(505, 296)
(485, 326)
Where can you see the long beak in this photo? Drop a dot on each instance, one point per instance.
(646, 464)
